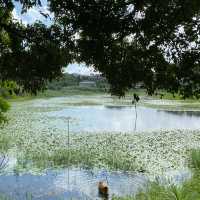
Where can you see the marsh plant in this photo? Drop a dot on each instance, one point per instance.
(37, 145)
(3, 162)
(195, 160)
(85, 151)
(31, 139)
(4, 106)
(189, 190)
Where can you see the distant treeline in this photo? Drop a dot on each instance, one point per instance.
(9, 89)
(75, 79)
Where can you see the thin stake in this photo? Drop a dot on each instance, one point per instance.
(135, 116)
(68, 149)
(68, 132)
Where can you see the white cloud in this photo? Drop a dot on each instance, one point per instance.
(80, 69)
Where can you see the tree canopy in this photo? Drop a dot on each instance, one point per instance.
(150, 41)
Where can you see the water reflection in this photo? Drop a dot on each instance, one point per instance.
(122, 118)
(182, 113)
(68, 184)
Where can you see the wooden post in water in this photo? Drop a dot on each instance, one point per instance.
(68, 132)
(135, 128)
(68, 150)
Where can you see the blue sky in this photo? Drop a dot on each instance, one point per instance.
(33, 15)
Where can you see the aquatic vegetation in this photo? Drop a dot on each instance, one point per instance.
(3, 197)
(154, 153)
(34, 140)
(52, 151)
(173, 105)
(195, 159)
(189, 190)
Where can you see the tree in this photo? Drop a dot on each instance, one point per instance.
(30, 55)
(153, 41)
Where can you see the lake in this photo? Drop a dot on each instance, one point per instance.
(123, 119)
(49, 117)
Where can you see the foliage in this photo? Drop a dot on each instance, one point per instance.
(195, 159)
(159, 192)
(149, 41)
(69, 82)
(9, 89)
(29, 55)
(4, 106)
(65, 81)
(137, 41)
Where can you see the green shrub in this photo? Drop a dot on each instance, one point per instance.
(4, 106)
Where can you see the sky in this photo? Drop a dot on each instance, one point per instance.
(33, 15)
(80, 69)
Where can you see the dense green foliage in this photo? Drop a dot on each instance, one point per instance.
(65, 81)
(156, 42)
(4, 106)
(29, 55)
(69, 83)
(9, 88)
(132, 41)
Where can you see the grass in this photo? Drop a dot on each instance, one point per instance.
(158, 192)
(195, 160)
(189, 190)
(4, 143)
(161, 94)
(153, 154)
(88, 92)
(63, 92)
(72, 90)
(5, 197)
(87, 151)
(68, 91)
(4, 107)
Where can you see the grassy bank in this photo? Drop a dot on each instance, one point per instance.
(160, 94)
(63, 92)
(96, 96)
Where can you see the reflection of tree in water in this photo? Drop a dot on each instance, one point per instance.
(117, 107)
(181, 113)
(3, 161)
(134, 101)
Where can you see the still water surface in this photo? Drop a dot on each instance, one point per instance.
(123, 118)
(69, 184)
